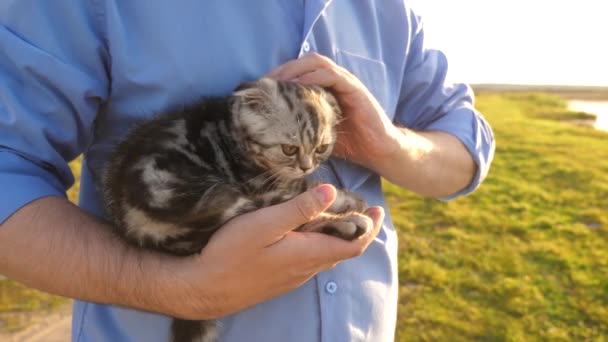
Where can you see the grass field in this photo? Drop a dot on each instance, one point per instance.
(525, 258)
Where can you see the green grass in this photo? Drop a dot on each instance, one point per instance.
(18, 302)
(525, 258)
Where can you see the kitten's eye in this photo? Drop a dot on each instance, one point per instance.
(322, 148)
(289, 150)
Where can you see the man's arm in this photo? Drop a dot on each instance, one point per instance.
(448, 139)
(430, 163)
(52, 245)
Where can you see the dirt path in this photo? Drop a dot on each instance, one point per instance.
(45, 327)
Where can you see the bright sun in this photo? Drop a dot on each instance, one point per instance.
(519, 41)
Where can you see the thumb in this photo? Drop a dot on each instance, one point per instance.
(275, 221)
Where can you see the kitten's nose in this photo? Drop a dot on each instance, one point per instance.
(305, 163)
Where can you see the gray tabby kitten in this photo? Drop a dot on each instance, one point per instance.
(176, 179)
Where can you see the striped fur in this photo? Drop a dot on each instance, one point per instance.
(175, 179)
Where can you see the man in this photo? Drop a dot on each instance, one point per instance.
(75, 75)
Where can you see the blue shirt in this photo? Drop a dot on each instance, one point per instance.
(75, 74)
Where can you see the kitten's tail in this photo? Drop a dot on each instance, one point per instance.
(194, 331)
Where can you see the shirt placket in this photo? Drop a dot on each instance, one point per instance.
(313, 9)
(328, 285)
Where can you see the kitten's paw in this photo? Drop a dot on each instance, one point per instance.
(347, 201)
(348, 228)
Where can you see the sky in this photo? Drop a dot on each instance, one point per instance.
(559, 42)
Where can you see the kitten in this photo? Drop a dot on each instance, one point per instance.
(174, 180)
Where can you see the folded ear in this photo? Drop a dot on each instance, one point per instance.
(244, 86)
(263, 83)
(255, 94)
(333, 102)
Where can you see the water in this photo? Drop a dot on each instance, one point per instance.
(598, 108)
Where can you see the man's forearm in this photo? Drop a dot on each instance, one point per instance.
(52, 245)
(430, 163)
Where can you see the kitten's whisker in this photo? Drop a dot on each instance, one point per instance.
(261, 175)
(273, 178)
(274, 181)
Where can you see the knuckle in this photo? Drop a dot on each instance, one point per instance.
(322, 60)
(305, 78)
(315, 55)
(334, 72)
(327, 60)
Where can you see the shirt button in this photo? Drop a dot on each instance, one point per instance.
(331, 287)
(305, 46)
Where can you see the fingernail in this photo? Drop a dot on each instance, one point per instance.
(324, 193)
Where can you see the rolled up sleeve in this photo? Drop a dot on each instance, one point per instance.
(52, 83)
(429, 103)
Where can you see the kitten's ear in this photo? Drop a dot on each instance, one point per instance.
(255, 94)
(244, 86)
(333, 102)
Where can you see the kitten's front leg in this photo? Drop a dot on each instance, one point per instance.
(344, 218)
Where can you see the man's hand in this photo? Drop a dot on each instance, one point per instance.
(257, 256)
(430, 163)
(366, 135)
(52, 245)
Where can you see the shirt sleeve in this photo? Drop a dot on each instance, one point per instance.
(428, 102)
(52, 81)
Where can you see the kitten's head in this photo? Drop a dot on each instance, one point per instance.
(287, 128)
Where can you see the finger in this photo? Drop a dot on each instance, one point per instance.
(357, 247)
(305, 64)
(334, 78)
(376, 214)
(322, 77)
(275, 221)
(274, 72)
(320, 252)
